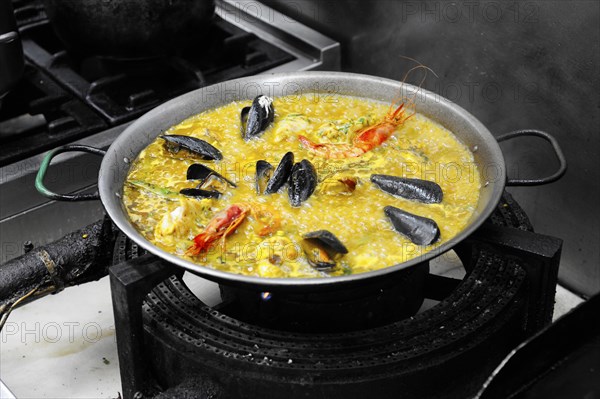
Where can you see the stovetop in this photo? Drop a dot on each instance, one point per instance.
(75, 329)
(64, 96)
(63, 99)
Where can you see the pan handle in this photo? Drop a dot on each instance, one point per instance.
(557, 150)
(39, 179)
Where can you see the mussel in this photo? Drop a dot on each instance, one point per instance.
(323, 249)
(419, 190)
(199, 193)
(303, 181)
(420, 230)
(196, 146)
(263, 174)
(256, 118)
(202, 173)
(281, 174)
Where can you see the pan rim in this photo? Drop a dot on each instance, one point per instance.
(112, 202)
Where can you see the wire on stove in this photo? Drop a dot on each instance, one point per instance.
(6, 313)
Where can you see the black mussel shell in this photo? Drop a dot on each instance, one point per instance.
(281, 174)
(327, 240)
(420, 230)
(303, 181)
(419, 190)
(202, 173)
(256, 118)
(199, 193)
(322, 249)
(318, 258)
(262, 174)
(196, 146)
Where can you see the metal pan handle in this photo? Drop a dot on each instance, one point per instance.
(557, 150)
(39, 179)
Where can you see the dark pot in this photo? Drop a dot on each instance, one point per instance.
(128, 28)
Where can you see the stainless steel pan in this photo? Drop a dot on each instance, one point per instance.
(135, 138)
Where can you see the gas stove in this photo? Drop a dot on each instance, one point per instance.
(64, 98)
(182, 336)
(178, 335)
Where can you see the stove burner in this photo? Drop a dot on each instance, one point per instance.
(39, 115)
(369, 305)
(506, 295)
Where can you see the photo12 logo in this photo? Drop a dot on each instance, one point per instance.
(53, 332)
(470, 11)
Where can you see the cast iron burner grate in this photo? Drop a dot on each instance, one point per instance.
(446, 351)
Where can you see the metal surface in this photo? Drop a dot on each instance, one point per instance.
(562, 169)
(39, 179)
(25, 215)
(560, 361)
(11, 52)
(313, 50)
(135, 138)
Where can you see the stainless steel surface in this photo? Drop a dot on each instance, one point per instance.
(313, 50)
(8, 37)
(26, 215)
(116, 162)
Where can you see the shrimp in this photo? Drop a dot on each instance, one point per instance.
(227, 221)
(370, 136)
(367, 139)
(221, 225)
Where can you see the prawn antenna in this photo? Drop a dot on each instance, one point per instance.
(419, 66)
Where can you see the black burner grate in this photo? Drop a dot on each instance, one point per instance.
(120, 90)
(39, 115)
(444, 352)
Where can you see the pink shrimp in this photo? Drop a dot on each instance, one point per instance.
(223, 224)
(367, 139)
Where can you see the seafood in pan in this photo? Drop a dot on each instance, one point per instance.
(303, 186)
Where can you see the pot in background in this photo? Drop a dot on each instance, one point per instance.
(11, 51)
(128, 29)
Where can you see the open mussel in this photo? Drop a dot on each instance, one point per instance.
(419, 190)
(203, 173)
(263, 174)
(281, 174)
(196, 146)
(256, 118)
(210, 182)
(323, 249)
(200, 193)
(420, 230)
(303, 181)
